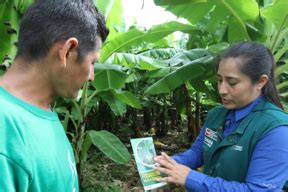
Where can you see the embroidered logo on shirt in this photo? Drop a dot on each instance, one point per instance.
(211, 134)
(208, 142)
(237, 148)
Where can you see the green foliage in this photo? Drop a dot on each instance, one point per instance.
(82, 139)
(104, 7)
(146, 67)
(134, 37)
(113, 12)
(10, 12)
(108, 77)
(181, 75)
(277, 13)
(117, 106)
(108, 81)
(110, 145)
(136, 61)
(162, 53)
(211, 14)
(128, 98)
(234, 21)
(277, 22)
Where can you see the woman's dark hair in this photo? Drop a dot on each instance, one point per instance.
(255, 60)
(49, 21)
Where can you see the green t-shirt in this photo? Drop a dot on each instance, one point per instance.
(35, 154)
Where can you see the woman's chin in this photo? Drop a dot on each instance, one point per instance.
(229, 106)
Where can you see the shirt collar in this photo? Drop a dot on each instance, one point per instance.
(238, 114)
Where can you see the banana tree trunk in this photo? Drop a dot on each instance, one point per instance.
(190, 118)
(197, 116)
(147, 118)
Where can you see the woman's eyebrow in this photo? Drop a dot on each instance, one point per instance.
(229, 77)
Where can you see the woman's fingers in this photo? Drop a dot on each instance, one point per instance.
(163, 170)
(176, 173)
(163, 162)
(168, 158)
(167, 179)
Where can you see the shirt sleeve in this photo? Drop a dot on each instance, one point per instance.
(267, 170)
(193, 157)
(12, 176)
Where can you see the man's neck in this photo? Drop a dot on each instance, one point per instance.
(29, 83)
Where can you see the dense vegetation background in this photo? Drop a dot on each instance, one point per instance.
(149, 82)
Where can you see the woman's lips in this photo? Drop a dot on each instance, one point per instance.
(225, 101)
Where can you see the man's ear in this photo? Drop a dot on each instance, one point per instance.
(67, 49)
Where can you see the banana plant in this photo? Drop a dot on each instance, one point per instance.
(109, 79)
(81, 140)
(123, 42)
(184, 67)
(277, 16)
(265, 21)
(237, 15)
(113, 13)
(10, 14)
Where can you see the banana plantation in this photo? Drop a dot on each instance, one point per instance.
(150, 82)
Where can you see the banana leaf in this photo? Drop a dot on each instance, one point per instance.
(277, 13)
(115, 104)
(110, 145)
(181, 75)
(162, 53)
(128, 98)
(113, 12)
(9, 27)
(10, 14)
(160, 72)
(187, 56)
(108, 77)
(134, 37)
(138, 61)
(218, 11)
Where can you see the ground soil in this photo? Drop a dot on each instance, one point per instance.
(102, 174)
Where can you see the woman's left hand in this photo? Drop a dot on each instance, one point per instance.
(176, 173)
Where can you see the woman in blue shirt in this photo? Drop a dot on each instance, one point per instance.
(243, 145)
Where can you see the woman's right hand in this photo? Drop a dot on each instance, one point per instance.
(176, 173)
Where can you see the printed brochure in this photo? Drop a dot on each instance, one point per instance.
(144, 152)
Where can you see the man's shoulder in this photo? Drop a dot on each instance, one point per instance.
(7, 106)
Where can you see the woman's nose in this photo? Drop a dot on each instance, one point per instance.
(222, 88)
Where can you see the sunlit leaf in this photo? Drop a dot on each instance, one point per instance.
(108, 76)
(125, 41)
(218, 11)
(138, 61)
(128, 98)
(117, 106)
(277, 13)
(180, 76)
(110, 145)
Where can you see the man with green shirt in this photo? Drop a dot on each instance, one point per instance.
(59, 42)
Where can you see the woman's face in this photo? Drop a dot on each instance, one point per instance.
(235, 88)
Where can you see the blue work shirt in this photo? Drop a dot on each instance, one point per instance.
(265, 173)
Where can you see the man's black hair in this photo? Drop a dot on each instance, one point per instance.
(49, 21)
